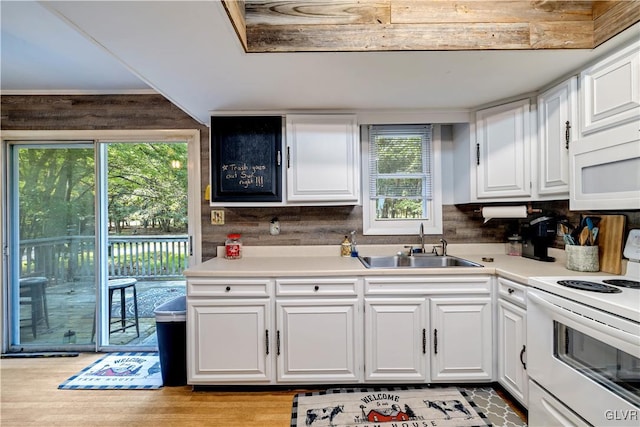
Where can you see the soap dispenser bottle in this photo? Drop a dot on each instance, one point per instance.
(345, 247)
(354, 247)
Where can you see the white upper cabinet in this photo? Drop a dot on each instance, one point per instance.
(557, 130)
(605, 162)
(323, 159)
(610, 91)
(503, 151)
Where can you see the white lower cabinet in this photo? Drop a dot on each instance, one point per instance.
(316, 340)
(329, 330)
(228, 341)
(462, 342)
(396, 339)
(512, 339)
(438, 328)
(512, 326)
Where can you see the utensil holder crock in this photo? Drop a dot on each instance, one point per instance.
(582, 258)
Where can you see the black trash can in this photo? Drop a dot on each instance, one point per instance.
(171, 329)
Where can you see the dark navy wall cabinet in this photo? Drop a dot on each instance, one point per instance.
(246, 159)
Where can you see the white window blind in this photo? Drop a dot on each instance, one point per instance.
(400, 165)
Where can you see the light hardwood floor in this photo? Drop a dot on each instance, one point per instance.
(30, 397)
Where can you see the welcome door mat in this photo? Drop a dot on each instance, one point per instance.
(121, 371)
(380, 407)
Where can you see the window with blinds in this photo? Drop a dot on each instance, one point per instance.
(400, 171)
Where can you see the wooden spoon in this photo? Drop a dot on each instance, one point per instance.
(584, 237)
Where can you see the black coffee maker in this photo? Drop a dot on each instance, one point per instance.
(537, 236)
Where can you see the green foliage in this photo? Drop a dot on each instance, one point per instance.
(56, 191)
(400, 209)
(398, 158)
(399, 154)
(144, 185)
(57, 188)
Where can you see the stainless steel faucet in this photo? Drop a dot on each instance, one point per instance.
(421, 238)
(444, 247)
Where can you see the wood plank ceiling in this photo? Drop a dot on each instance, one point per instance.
(387, 25)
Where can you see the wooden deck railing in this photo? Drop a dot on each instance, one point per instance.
(71, 258)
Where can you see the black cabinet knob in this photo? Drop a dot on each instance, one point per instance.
(228, 288)
(316, 288)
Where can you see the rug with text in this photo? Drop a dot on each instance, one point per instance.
(119, 371)
(400, 406)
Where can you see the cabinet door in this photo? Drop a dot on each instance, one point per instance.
(396, 339)
(461, 339)
(557, 112)
(512, 329)
(503, 151)
(246, 159)
(605, 170)
(323, 159)
(229, 341)
(610, 91)
(316, 340)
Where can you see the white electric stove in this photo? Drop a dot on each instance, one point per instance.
(583, 347)
(618, 295)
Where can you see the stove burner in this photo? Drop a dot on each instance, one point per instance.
(588, 286)
(625, 283)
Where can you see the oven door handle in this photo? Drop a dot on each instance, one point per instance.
(626, 341)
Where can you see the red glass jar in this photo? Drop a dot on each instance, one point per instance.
(233, 247)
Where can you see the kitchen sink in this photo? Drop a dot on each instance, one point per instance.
(404, 261)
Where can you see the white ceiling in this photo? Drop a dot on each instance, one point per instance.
(189, 52)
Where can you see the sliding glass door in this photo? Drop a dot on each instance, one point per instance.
(86, 223)
(52, 227)
(148, 245)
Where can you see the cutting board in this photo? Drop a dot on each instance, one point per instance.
(610, 242)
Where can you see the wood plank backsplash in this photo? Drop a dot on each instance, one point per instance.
(329, 225)
(300, 225)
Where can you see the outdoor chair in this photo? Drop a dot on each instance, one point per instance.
(123, 323)
(33, 293)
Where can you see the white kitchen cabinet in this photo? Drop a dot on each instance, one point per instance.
(557, 130)
(312, 330)
(458, 339)
(605, 163)
(323, 159)
(606, 172)
(229, 341)
(229, 331)
(461, 339)
(610, 91)
(503, 151)
(512, 339)
(316, 340)
(396, 339)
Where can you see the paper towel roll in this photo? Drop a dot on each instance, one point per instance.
(504, 212)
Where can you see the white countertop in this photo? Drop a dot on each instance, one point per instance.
(282, 261)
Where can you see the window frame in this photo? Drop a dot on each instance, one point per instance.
(382, 227)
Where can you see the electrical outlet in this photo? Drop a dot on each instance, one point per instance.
(217, 217)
